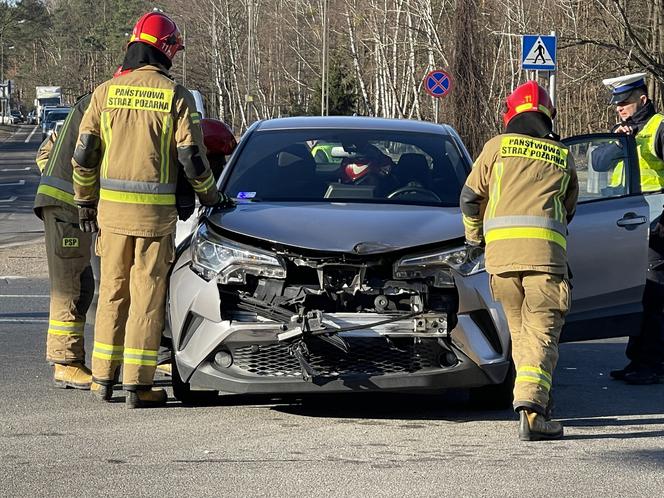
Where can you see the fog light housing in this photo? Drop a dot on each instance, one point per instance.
(223, 359)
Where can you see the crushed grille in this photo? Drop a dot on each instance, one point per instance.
(366, 356)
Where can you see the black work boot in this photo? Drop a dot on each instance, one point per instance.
(620, 374)
(645, 375)
(146, 398)
(535, 427)
(102, 391)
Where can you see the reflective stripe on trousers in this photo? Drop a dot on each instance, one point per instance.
(56, 327)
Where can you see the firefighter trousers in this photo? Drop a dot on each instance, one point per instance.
(535, 305)
(131, 309)
(72, 284)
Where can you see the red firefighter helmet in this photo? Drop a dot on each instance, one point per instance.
(160, 31)
(529, 97)
(371, 161)
(218, 137)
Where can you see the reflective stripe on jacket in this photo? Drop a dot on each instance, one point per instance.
(139, 121)
(518, 198)
(651, 167)
(54, 160)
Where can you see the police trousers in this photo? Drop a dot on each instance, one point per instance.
(131, 309)
(535, 305)
(72, 284)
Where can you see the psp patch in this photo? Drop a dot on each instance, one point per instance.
(70, 242)
(533, 149)
(139, 98)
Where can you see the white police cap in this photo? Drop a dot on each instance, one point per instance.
(622, 86)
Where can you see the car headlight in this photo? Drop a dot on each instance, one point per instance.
(229, 262)
(464, 260)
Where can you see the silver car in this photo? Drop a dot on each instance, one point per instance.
(347, 271)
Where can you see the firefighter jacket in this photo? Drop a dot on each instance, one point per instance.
(54, 161)
(140, 128)
(518, 198)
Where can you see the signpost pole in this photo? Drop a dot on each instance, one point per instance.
(437, 84)
(552, 81)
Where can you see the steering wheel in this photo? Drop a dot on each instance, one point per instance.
(417, 190)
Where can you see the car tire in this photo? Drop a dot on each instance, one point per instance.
(183, 393)
(494, 396)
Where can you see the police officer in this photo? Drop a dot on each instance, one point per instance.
(68, 255)
(518, 199)
(639, 117)
(140, 128)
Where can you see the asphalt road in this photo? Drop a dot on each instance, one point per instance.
(62, 443)
(19, 178)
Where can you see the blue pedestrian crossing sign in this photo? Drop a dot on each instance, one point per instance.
(538, 52)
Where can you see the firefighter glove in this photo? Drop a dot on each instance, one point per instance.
(224, 201)
(87, 218)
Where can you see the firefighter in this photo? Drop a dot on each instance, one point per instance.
(140, 128)
(219, 142)
(639, 117)
(517, 200)
(68, 255)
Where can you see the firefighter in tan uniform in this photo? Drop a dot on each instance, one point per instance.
(68, 254)
(139, 129)
(518, 199)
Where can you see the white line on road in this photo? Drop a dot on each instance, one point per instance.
(27, 168)
(20, 182)
(11, 199)
(32, 133)
(23, 320)
(23, 295)
(12, 277)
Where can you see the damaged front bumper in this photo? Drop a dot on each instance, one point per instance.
(371, 351)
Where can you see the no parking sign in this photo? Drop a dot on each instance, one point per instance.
(437, 83)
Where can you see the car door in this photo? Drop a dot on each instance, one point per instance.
(608, 239)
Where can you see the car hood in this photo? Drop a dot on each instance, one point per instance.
(342, 227)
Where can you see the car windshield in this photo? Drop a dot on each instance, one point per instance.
(349, 165)
(56, 116)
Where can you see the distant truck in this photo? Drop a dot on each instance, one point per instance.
(47, 96)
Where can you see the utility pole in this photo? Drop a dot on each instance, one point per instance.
(184, 55)
(249, 97)
(325, 63)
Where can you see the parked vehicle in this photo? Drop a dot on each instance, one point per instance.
(320, 281)
(17, 116)
(51, 116)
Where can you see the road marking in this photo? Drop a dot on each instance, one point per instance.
(11, 199)
(23, 320)
(27, 168)
(30, 136)
(24, 295)
(12, 277)
(20, 182)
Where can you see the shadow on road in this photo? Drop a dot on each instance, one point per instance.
(585, 397)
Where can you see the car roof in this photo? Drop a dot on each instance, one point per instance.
(353, 122)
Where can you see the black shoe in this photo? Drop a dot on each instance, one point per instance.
(104, 392)
(151, 398)
(620, 374)
(535, 427)
(645, 376)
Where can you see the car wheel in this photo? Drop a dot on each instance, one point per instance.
(184, 394)
(494, 396)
